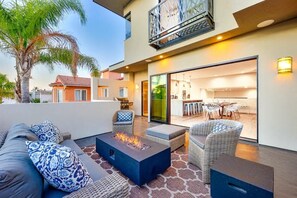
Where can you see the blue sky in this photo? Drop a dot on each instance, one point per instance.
(102, 37)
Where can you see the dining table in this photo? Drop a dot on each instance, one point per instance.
(223, 105)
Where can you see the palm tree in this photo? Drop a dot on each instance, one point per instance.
(27, 34)
(6, 88)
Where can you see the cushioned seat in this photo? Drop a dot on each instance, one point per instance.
(165, 131)
(96, 172)
(173, 136)
(123, 123)
(71, 144)
(199, 140)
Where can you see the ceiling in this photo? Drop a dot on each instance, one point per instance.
(116, 6)
(249, 66)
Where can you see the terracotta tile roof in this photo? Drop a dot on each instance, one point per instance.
(71, 81)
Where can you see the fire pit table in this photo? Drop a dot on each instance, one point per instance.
(141, 163)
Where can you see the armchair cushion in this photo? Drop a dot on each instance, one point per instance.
(59, 165)
(124, 116)
(123, 123)
(47, 131)
(199, 140)
(219, 127)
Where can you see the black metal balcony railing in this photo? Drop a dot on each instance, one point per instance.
(172, 21)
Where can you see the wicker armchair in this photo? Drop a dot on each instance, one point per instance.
(123, 126)
(210, 139)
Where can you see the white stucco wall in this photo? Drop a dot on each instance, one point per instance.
(277, 92)
(80, 119)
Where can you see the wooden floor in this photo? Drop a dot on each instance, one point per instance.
(284, 162)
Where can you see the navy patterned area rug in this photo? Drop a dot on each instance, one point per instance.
(180, 180)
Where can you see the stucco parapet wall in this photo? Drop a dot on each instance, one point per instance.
(81, 119)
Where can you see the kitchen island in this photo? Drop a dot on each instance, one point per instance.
(178, 106)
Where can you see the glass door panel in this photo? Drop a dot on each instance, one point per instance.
(159, 98)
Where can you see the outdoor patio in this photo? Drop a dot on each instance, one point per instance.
(184, 180)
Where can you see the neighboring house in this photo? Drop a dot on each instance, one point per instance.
(165, 40)
(71, 89)
(109, 86)
(45, 96)
(112, 85)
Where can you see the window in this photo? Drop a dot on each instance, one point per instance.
(105, 92)
(59, 95)
(123, 92)
(80, 95)
(128, 25)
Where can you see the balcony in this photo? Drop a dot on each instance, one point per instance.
(172, 21)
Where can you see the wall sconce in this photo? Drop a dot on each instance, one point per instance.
(136, 86)
(284, 65)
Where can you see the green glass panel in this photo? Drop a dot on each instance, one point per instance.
(159, 98)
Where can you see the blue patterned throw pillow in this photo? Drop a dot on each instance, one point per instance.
(218, 127)
(124, 116)
(47, 131)
(59, 165)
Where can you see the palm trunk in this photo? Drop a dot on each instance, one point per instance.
(25, 89)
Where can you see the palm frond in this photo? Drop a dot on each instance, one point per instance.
(60, 56)
(59, 38)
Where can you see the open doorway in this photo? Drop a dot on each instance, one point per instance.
(144, 98)
(228, 85)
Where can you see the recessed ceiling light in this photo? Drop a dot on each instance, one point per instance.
(161, 56)
(265, 23)
(127, 67)
(219, 37)
(148, 60)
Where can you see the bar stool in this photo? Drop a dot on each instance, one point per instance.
(186, 108)
(195, 108)
(200, 110)
(190, 109)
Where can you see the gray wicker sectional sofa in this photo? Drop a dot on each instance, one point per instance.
(20, 178)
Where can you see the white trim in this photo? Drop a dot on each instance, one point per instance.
(80, 95)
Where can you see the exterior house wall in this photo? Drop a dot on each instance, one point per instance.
(113, 87)
(110, 75)
(80, 119)
(137, 48)
(277, 93)
(69, 93)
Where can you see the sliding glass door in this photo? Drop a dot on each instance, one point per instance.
(159, 102)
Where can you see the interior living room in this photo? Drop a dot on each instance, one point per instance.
(233, 84)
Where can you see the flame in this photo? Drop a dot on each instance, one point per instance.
(133, 140)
